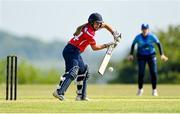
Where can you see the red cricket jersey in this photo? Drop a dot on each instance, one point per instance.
(85, 38)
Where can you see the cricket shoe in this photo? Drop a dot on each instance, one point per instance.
(140, 92)
(56, 95)
(79, 98)
(154, 92)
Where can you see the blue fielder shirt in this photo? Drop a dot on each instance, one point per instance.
(146, 44)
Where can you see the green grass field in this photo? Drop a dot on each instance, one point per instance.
(104, 99)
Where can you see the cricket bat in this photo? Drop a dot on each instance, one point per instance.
(107, 58)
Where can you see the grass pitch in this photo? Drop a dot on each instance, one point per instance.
(103, 99)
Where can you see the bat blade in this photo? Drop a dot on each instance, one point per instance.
(104, 64)
(105, 61)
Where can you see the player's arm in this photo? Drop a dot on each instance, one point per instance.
(156, 40)
(163, 57)
(110, 29)
(107, 27)
(132, 49)
(94, 46)
(97, 47)
(131, 57)
(160, 48)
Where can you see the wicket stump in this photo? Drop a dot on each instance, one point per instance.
(12, 75)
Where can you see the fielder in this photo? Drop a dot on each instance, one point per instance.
(146, 54)
(75, 67)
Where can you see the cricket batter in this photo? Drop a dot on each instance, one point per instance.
(146, 54)
(75, 67)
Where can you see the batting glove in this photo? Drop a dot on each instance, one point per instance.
(109, 44)
(116, 35)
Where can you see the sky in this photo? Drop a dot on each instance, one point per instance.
(50, 20)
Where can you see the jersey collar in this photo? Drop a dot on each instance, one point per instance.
(144, 36)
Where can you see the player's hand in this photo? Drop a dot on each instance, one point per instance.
(116, 35)
(164, 58)
(130, 57)
(109, 44)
